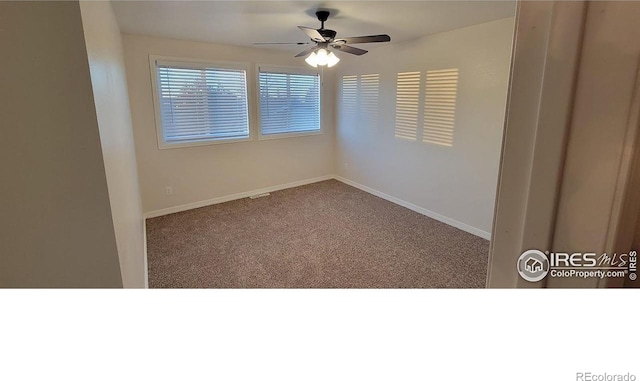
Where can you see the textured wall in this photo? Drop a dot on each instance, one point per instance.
(459, 181)
(106, 63)
(55, 226)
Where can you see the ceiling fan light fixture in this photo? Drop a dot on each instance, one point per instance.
(332, 59)
(312, 59)
(322, 57)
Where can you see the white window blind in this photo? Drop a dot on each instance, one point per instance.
(289, 102)
(200, 103)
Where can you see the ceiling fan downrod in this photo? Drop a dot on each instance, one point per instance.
(322, 16)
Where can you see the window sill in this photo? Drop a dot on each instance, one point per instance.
(197, 143)
(285, 135)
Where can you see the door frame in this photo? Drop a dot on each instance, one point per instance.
(545, 60)
(531, 208)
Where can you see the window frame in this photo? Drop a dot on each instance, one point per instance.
(195, 63)
(287, 70)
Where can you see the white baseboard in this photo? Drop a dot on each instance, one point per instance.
(236, 196)
(418, 209)
(146, 261)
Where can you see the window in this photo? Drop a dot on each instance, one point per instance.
(289, 102)
(200, 103)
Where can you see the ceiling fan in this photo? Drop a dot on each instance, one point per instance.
(324, 40)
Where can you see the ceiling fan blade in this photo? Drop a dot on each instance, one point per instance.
(312, 33)
(281, 43)
(366, 39)
(349, 49)
(306, 52)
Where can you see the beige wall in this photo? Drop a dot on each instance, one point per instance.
(212, 171)
(55, 223)
(106, 63)
(457, 183)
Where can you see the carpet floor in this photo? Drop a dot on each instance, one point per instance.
(323, 235)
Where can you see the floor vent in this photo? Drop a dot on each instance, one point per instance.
(259, 195)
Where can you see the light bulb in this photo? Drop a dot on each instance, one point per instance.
(312, 59)
(322, 57)
(332, 59)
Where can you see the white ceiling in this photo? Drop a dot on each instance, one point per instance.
(244, 22)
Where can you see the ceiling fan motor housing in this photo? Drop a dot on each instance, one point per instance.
(328, 34)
